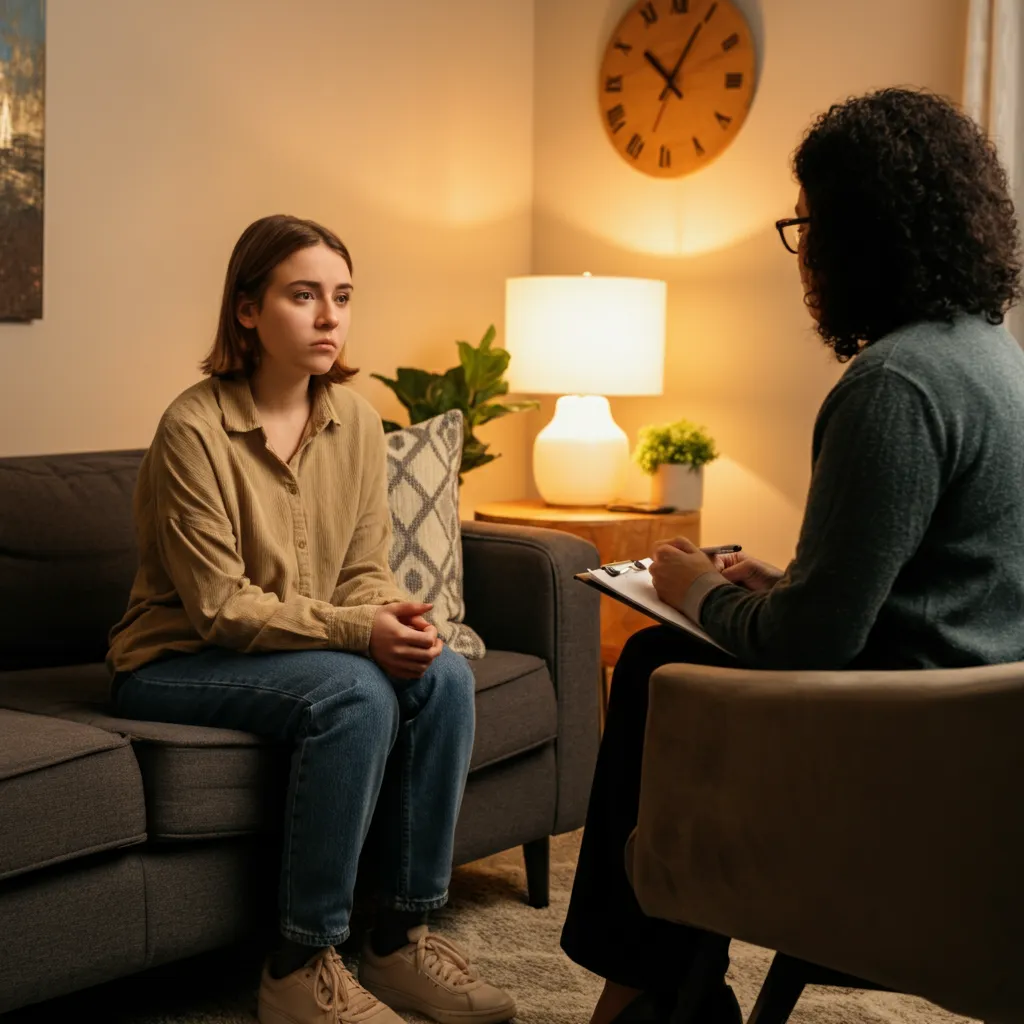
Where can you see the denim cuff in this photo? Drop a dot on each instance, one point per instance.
(399, 903)
(311, 939)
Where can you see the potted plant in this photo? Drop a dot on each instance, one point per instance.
(471, 386)
(675, 454)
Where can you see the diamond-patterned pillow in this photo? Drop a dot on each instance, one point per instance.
(426, 546)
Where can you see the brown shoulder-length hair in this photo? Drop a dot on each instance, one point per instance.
(262, 246)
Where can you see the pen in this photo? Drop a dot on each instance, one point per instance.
(722, 549)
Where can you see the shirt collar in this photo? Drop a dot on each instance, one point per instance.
(324, 411)
(238, 410)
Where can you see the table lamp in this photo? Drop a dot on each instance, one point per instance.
(584, 338)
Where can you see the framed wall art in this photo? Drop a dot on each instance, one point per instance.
(22, 86)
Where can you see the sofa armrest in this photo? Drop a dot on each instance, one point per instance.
(521, 596)
(865, 821)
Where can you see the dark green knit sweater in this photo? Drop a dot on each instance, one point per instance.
(911, 552)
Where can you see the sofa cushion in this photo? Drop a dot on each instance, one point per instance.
(70, 788)
(67, 555)
(67, 930)
(202, 782)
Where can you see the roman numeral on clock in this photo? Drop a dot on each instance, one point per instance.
(698, 148)
(624, 47)
(649, 14)
(733, 80)
(635, 147)
(665, 157)
(723, 119)
(613, 83)
(729, 42)
(616, 117)
(680, 6)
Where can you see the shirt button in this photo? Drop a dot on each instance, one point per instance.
(301, 545)
(292, 489)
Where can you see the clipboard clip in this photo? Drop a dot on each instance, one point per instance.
(623, 567)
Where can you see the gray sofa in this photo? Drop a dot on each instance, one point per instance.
(124, 845)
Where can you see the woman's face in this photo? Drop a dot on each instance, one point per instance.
(303, 320)
(806, 279)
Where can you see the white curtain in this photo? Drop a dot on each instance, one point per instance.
(993, 93)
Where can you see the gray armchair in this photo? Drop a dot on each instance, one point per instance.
(866, 825)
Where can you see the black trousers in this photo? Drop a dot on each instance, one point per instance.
(605, 930)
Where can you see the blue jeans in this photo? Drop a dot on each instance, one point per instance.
(364, 749)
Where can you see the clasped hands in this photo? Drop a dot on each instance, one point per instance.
(402, 642)
(678, 562)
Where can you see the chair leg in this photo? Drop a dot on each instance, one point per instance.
(780, 991)
(537, 855)
(708, 965)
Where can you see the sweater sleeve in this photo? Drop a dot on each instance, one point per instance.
(366, 577)
(875, 485)
(198, 550)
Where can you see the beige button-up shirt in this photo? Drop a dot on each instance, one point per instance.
(239, 550)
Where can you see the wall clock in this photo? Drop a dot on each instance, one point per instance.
(676, 83)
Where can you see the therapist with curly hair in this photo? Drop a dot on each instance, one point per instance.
(911, 551)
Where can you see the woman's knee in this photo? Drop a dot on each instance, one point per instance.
(454, 682)
(354, 686)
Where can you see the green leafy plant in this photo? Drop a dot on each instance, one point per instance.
(673, 443)
(471, 386)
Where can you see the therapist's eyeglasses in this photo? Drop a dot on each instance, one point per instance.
(789, 231)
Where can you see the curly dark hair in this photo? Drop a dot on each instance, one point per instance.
(911, 218)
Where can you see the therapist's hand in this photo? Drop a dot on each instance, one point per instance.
(676, 564)
(748, 572)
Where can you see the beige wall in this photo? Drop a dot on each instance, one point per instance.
(407, 127)
(451, 145)
(741, 358)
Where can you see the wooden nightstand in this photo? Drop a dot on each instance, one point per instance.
(616, 535)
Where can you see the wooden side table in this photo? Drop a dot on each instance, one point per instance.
(616, 535)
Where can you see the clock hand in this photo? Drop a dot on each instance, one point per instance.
(679, 63)
(659, 67)
(664, 97)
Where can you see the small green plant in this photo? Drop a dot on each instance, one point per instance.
(673, 443)
(471, 386)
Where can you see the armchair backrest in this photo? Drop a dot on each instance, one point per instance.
(869, 822)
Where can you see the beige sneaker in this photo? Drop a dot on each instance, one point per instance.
(322, 992)
(431, 976)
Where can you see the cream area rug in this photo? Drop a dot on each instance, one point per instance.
(512, 944)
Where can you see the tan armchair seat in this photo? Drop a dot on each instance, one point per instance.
(869, 822)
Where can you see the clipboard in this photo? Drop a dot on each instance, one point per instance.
(631, 585)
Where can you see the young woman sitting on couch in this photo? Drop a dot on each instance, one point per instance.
(264, 602)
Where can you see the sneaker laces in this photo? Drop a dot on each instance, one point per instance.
(438, 956)
(334, 987)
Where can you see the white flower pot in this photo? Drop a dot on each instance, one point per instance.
(678, 485)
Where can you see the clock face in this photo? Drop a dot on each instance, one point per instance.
(676, 83)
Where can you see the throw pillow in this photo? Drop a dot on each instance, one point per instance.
(426, 546)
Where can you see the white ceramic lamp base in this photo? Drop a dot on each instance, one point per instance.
(580, 457)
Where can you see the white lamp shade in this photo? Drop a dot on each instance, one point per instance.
(585, 335)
